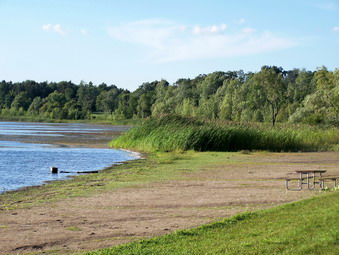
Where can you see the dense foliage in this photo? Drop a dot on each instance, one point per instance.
(270, 95)
(170, 133)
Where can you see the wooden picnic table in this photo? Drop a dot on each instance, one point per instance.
(312, 177)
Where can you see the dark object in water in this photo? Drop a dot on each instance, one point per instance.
(54, 170)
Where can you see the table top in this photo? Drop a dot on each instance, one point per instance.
(311, 171)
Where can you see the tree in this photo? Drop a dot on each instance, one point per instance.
(86, 96)
(144, 106)
(71, 110)
(323, 105)
(53, 105)
(35, 106)
(210, 84)
(21, 100)
(270, 79)
(227, 104)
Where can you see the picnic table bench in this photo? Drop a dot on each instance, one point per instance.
(331, 178)
(312, 177)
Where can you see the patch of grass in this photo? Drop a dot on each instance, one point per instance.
(93, 119)
(174, 133)
(73, 228)
(306, 227)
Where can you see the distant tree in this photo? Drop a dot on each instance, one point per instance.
(71, 110)
(226, 110)
(322, 106)
(144, 106)
(6, 95)
(270, 79)
(187, 108)
(86, 96)
(35, 106)
(21, 101)
(124, 110)
(210, 84)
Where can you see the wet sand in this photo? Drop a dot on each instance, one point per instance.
(86, 138)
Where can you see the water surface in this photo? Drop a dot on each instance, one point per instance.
(27, 164)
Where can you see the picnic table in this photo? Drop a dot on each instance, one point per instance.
(307, 177)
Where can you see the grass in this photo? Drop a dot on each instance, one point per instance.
(306, 227)
(93, 119)
(73, 228)
(171, 133)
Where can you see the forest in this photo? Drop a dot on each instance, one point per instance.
(271, 95)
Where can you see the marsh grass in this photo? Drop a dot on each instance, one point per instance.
(174, 133)
(306, 227)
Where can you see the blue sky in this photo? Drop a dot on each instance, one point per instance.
(130, 42)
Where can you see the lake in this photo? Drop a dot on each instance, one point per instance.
(28, 150)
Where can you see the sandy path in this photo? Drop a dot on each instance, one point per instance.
(127, 214)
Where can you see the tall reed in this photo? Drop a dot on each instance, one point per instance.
(171, 133)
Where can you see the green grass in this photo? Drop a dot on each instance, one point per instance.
(172, 133)
(306, 227)
(73, 228)
(93, 119)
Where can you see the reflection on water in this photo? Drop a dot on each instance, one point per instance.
(7, 145)
(28, 164)
(53, 129)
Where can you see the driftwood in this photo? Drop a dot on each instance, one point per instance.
(80, 172)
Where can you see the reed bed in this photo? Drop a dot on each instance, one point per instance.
(171, 133)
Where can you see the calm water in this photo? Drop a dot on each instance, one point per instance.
(28, 164)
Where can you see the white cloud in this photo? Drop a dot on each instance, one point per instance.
(152, 33)
(167, 41)
(336, 29)
(55, 28)
(214, 29)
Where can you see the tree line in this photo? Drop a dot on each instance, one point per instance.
(270, 95)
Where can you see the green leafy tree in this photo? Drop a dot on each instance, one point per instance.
(323, 105)
(53, 105)
(187, 108)
(21, 101)
(71, 110)
(144, 106)
(123, 111)
(34, 108)
(86, 97)
(270, 79)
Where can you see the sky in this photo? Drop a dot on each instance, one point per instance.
(127, 43)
